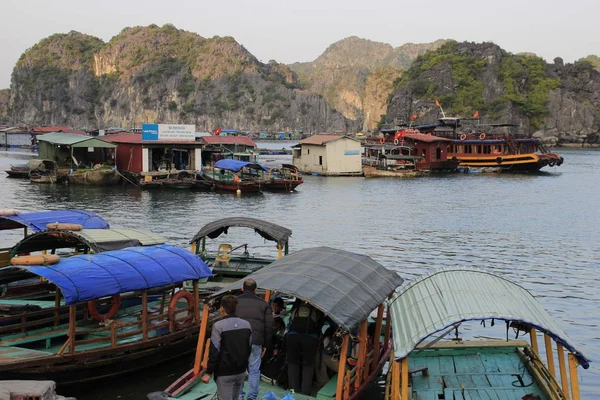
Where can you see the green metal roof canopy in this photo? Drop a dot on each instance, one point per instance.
(97, 240)
(73, 140)
(449, 296)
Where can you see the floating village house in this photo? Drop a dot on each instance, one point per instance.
(139, 156)
(328, 155)
(18, 137)
(433, 149)
(235, 147)
(73, 150)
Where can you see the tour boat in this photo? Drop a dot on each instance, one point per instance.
(286, 178)
(432, 361)
(347, 288)
(109, 313)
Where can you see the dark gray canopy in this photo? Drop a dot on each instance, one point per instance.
(345, 286)
(265, 229)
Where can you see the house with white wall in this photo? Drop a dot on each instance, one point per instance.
(329, 155)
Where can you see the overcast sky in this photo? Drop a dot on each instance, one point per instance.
(289, 31)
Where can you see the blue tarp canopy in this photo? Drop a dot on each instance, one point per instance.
(236, 165)
(91, 276)
(37, 221)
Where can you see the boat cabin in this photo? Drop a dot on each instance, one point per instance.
(348, 288)
(432, 360)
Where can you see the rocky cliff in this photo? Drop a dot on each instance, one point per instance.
(4, 99)
(355, 75)
(162, 74)
(558, 102)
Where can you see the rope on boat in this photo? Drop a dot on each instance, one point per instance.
(124, 177)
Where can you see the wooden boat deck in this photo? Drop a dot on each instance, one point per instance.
(471, 373)
(13, 354)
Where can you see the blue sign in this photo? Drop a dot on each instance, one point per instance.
(149, 131)
(351, 152)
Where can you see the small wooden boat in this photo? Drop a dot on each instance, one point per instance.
(233, 175)
(230, 263)
(18, 171)
(104, 176)
(44, 171)
(38, 221)
(431, 360)
(109, 314)
(346, 287)
(286, 178)
(394, 166)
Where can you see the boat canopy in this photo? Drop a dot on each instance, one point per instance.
(236, 165)
(97, 240)
(265, 229)
(42, 164)
(345, 286)
(37, 221)
(92, 276)
(449, 296)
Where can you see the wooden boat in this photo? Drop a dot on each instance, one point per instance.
(346, 287)
(18, 171)
(44, 171)
(427, 365)
(180, 180)
(398, 163)
(226, 264)
(284, 179)
(38, 221)
(110, 313)
(104, 176)
(233, 175)
(509, 153)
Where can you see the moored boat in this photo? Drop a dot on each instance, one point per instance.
(229, 263)
(113, 312)
(431, 360)
(286, 178)
(346, 287)
(44, 171)
(234, 175)
(18, 171)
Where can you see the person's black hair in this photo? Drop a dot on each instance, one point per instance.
(229, 304)
(278, 300)
(249, 285)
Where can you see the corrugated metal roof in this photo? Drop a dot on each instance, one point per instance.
(323, 139)
(70, 139)
(449, 296)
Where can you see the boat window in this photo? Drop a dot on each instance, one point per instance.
(468, 149)
(479, 149)
(424, 153)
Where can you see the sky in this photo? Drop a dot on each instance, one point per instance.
(290, 31)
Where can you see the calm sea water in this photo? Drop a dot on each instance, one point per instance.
(540, 230)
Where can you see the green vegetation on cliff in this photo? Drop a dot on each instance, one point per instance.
(591, 60)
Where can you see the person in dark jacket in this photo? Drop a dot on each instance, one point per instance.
(258, 313)
(230, 346)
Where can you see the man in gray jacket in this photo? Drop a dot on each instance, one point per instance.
(258, 313)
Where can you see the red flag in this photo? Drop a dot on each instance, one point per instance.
(476, 115)
(217, 131)
(437, 103)
(399, 134)
(412, 116)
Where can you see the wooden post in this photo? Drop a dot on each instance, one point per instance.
(145, 315)
(267, 296)
(196, 302)
(203, 245)
(206, 354)
(388, 327)
(563, 371)
(57, 307)
(396, 380)
(404, 378)
(201, 337)
(573, 376)
(279, 251)
(377, 337)
(342, 368)
(113, 334)
(287, 248)
(549, 354)
(72, 317)
(534, 343)
(362, 354)
(194, 247)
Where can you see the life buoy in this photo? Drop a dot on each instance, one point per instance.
(482, 136)
(42, 259)
(182, 294)
(116, 303)
(64, 227)
(396, 141)
(8, 212)
(499, 160)
(463, 136)
(382, 140)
